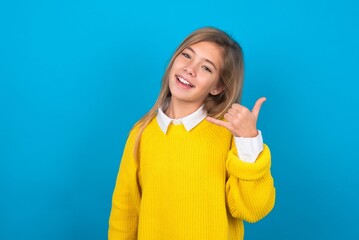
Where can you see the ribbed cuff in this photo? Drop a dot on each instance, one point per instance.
(249, 171)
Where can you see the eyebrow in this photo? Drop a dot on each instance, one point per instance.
(207, 60)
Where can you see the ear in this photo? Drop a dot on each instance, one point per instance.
(219, 89)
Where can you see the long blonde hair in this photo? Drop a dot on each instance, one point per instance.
(231, 76)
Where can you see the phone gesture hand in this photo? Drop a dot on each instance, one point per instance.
(241, 121)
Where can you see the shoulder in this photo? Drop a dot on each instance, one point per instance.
(141, 128)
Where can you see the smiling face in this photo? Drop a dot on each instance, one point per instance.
(195, 73)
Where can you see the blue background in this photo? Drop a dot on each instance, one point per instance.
(76, 75)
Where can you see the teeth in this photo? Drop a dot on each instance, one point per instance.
(184, 81)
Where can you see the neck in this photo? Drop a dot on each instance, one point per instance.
(177, 110)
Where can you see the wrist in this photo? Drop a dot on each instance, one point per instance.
(251, 134)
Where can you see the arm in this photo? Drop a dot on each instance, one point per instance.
(250, 192)
(126, 196)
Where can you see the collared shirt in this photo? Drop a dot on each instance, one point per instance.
(248, 148)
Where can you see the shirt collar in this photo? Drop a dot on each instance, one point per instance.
(189, 121)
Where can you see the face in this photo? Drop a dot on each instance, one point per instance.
(195, 73)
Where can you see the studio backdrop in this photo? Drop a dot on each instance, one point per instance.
(76, 75)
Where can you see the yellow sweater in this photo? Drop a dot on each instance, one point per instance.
(188, 186)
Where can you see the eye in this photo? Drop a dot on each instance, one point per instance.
(207, 69)
(186, 55)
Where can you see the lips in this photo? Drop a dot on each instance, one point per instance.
(183, 81)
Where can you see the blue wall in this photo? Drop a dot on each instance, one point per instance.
(75, 76)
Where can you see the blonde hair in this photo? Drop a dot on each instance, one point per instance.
(231, 77)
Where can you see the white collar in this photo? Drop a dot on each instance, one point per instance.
(189, 121)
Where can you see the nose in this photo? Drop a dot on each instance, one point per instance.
(190, 69)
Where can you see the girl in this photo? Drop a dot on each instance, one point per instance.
(194, 167)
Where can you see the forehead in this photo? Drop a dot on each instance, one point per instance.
(209, 51)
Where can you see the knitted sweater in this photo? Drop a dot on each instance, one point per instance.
(188, 186)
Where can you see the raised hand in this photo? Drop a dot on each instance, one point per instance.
(240, 120)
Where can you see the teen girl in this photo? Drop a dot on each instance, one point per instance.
(195, 166)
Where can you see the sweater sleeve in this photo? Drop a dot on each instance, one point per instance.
(126, 197)
(250, 191)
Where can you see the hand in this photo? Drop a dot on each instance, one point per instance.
(240, 120)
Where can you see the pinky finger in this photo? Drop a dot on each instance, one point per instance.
(218, 122)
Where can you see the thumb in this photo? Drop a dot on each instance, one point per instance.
(258, 105)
